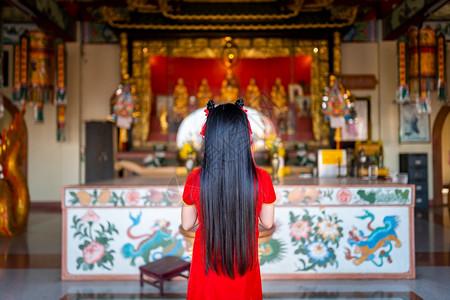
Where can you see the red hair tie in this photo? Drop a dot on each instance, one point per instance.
(202, 132)
(250, 132)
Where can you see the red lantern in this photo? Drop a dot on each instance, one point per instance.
(422, 65)
(40, 71)
(441, 53)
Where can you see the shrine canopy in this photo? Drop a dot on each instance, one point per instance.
(189, 130)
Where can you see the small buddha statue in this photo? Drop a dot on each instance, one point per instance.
(164, 125)
(230, 88)
(253, 95)
(181, 98)
(278, 95)
(204, 93)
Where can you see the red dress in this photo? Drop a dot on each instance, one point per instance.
(213, 286)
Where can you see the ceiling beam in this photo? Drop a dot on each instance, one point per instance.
(51, 17)
(405, 15)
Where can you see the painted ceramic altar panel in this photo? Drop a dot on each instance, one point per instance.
(313, 241)
(322, 231)
(109, 241)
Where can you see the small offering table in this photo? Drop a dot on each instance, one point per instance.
(325, 228)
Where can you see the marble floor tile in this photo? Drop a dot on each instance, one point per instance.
(30, 268)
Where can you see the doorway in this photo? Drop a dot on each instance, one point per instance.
(441, 155)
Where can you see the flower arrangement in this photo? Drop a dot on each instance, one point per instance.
(274, 145)
(186, 151)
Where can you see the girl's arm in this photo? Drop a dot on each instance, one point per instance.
(266, 215)
(188, 217)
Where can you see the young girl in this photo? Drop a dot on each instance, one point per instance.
(227, 197)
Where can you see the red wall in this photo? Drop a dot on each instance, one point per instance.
(166, 70)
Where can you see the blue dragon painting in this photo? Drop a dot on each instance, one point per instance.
(380, 238)
(151, 243)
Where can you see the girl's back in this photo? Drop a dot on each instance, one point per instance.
(226, 197)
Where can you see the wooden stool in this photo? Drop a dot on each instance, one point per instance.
(163, 269)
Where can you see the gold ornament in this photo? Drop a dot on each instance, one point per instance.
(14, 197)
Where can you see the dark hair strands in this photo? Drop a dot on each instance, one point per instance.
(228, 192)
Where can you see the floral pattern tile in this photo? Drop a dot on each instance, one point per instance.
(300, 195)
(122, 197)
(315, 195)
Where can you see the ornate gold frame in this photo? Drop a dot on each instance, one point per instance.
(117, 20)
(212, 48)
(144, 6)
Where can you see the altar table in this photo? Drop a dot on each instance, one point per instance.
(325, 228)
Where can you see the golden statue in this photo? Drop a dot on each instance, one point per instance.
(253, 95)
(278, 95)
(181, 97)
(204, 93)
(230, 88)
(14, 197)
(164, 125)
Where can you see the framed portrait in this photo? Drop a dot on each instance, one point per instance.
(357, 129)
(414, 127)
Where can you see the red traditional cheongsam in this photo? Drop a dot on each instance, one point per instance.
(212, 285)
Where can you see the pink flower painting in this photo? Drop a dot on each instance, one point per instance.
(300, 229)
(93, 253)
(94, 242)
(132, 197)
(344, 196)
(90, 216)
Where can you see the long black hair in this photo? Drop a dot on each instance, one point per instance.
(228, 192)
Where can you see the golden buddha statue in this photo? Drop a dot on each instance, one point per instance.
(278, 95)
(204, 93)
(230, 88)
(253, 95)
(164, 125)
(181, 97)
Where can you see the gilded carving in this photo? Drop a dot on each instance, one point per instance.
(123, 55)
(14, 196)
(168, 12)
(317, 5)
(185, 43)
(201, 43)
(342, 12)
(142, 6)
(142, 77)
(265, 52)
(337, 53)
(245, 43)
(274, 43)
(259, 43)
(117, 20)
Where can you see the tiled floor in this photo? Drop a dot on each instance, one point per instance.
(30, 269)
